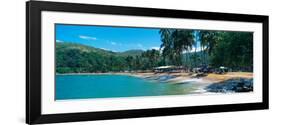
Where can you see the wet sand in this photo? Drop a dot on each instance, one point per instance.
(181, 77)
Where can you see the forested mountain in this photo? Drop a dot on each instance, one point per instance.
(66, 46)
(74, 58)
(135, 52)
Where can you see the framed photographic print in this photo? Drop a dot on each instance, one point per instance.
(95, 62)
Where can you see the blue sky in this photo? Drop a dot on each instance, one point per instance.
(116, 39)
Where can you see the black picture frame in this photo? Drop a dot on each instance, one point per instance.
(33, 61)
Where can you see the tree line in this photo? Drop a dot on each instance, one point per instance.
(77, 58)
(179, 47)
(217, 48)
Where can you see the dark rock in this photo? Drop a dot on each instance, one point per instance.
(232, 85)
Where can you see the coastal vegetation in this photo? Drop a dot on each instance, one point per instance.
(179, 47)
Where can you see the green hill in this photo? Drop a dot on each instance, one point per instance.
(131, 53)
(74, 57)
(65, 46)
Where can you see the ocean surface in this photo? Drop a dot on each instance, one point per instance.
(110, 86)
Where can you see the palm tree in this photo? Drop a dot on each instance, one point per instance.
(166, 46)
(187, 41)
(174, 42)
(178, 45)
(207, 42)
(196, 38)
(204, 43)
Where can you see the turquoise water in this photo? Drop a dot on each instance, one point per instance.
(109, 86)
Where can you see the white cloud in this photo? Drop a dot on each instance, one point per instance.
(87, 37)
(59, 41)
(155, 47)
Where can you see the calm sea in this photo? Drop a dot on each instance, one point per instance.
(109, 86)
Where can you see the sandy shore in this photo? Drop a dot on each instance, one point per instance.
(182, 77)
(187, 77)
(202, 82)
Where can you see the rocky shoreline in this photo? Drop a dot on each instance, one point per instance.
(231, 85)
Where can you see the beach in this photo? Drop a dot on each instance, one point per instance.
(174, 78)
(203, 82)
(207, 83)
